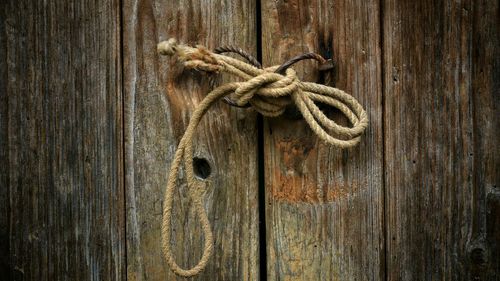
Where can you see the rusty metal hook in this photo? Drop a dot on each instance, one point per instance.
(253, 61)
(325, 64)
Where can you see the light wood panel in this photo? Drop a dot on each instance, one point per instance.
(324, 206)
(160, 95)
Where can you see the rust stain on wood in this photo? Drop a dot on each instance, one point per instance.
(295, 180)
(293, 192)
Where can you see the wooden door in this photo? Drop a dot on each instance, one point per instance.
(91, 115)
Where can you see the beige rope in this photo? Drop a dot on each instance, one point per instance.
(268, 93)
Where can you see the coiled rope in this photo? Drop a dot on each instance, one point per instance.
(268, 93)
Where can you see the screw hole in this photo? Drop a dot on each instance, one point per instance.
(201, 168)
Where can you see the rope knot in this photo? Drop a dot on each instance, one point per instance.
(268, 92)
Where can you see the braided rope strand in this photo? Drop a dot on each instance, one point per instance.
(268, 93)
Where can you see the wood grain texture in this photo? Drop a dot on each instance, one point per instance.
(4, 153)
(484, 260)
(441, 61)
(61, 135)
(418, 199)
(160, 96)
(324, 206)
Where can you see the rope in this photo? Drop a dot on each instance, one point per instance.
(268, 93)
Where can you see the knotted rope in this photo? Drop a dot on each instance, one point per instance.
(268, 93)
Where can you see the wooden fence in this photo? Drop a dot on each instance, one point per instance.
(90, 116)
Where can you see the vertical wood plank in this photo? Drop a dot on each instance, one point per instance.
(324, 206)
(61, 133)
(160, 96)
(4, 153)
(441, 61)
(484, 251)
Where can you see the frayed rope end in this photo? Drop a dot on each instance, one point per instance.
(167, 48)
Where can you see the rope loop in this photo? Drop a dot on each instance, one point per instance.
(268, 93)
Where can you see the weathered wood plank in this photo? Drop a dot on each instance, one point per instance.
(61, 133)
(441, 61)
(4, 153)
(324, 206)
(160, 96)
(484, 260)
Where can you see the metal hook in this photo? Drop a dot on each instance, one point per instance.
(253, 61)
(326, 65)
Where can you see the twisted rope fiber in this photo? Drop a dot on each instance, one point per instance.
(268, 93)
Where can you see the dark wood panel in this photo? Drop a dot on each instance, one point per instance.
(324, 206)
(61, 138)
(483, 251)
(441, 61)
(160, 96)
(4, 153)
